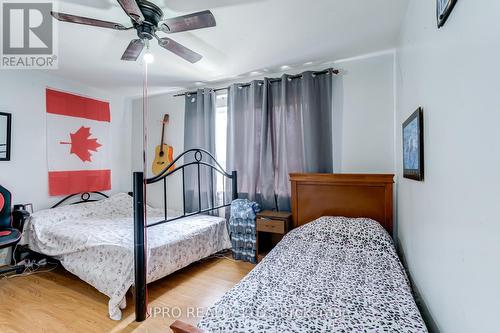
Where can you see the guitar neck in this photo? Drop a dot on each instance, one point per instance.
(162, 141)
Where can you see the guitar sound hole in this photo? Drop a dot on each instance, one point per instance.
(162, 153)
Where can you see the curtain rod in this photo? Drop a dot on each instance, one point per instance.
(298, 76)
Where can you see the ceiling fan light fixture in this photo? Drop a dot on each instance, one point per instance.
(148, 57)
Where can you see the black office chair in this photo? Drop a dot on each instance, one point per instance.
(9, 235)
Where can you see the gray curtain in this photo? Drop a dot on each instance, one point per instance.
(277, 127)
(249, 149)
(199, 132)
(302, 129)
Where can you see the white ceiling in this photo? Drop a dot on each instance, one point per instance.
(251, 37)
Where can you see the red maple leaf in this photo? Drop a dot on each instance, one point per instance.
(81, 144)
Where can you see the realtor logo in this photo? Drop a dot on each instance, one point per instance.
(28, 35)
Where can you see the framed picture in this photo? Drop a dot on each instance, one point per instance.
(443, 9)
(413, 146)
(5, 135)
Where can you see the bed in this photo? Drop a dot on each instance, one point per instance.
(105, 242)
(336, 271)
(95, 241)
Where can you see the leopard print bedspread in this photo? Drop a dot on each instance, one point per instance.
(332, 275)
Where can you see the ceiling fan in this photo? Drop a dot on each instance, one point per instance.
(147, 19)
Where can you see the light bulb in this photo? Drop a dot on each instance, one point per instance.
(148, 57)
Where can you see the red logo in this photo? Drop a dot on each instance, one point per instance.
(82, 144)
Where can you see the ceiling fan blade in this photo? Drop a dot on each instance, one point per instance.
(179, 49)
(204, 19)
(133, 50)
(87, 21)
(132, 9)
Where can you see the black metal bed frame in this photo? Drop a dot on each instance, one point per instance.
(139, 182)
(84, 197)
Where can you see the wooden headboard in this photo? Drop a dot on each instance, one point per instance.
(350, 195)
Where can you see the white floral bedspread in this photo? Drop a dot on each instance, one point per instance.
(95, 241)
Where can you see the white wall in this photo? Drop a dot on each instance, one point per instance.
(449, 225)
(158, 106)
(22, 93)
(363, 121)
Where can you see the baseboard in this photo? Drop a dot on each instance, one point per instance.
(424, 310)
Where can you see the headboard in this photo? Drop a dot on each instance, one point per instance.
(350, 195)
(84, 197)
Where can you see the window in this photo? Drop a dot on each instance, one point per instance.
(221, 139)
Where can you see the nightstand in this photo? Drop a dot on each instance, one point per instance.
(271, 227)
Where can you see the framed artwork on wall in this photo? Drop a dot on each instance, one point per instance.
(443, 10)
(413, 146)
(5, 135)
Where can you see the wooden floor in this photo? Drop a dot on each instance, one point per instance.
(59, 302)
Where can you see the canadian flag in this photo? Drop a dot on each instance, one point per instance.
(78, 151)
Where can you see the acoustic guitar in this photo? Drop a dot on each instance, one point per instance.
(164, 154)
